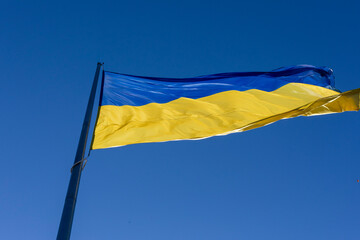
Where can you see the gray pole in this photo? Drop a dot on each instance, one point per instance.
(73, 188)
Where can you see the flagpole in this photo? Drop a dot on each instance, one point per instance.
(73, 188)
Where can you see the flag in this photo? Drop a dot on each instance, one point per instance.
(137, 109)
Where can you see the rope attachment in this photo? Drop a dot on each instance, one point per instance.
(82, 162)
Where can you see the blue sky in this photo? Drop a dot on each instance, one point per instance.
(294, 179)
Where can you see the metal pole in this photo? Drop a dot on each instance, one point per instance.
(73, 188)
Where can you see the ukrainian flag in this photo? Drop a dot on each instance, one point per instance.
(137, 109)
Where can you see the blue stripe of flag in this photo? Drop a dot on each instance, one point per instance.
(122, 89)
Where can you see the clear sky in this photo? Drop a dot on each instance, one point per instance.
(294, 179)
